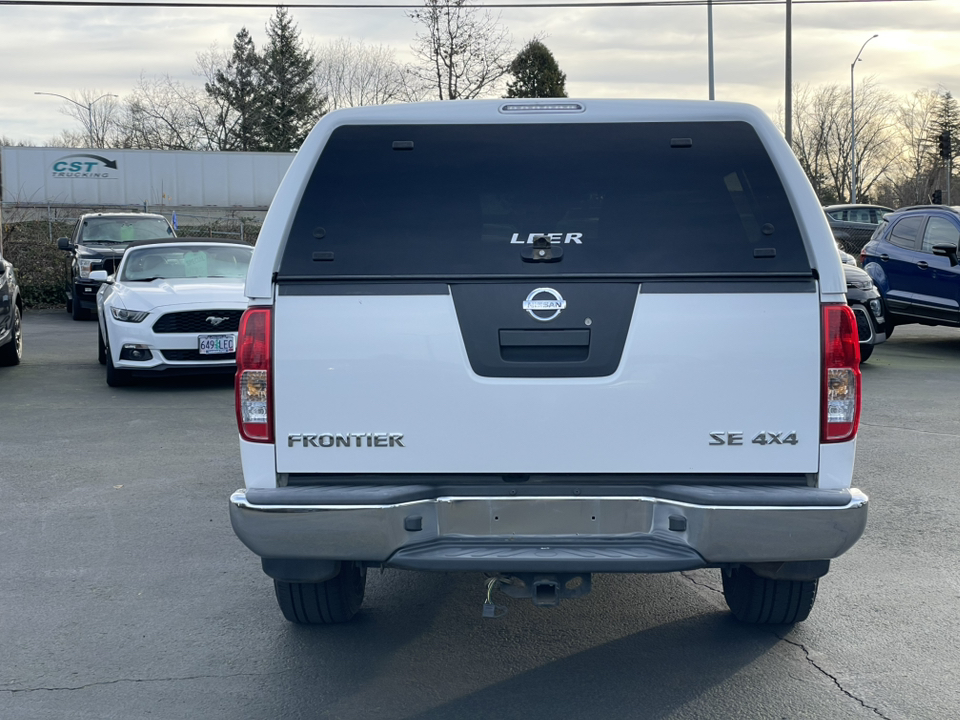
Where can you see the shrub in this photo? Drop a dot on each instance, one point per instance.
(39, 263)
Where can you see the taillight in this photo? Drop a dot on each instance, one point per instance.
(253, 391)
(840, 399)
(863, 256)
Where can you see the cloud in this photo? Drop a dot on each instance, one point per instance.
(618, 52)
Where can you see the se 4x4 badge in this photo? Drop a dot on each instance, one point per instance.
(763, 438)
(544, 300)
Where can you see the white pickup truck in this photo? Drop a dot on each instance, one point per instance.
(544, 339)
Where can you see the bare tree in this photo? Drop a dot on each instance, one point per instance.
(351, 74)
(914, 171)
(814, 116)
(165, 114)
(876, 146)
(462, 51)
(821, 137)
(7, 141)
(96, 111)
(68, 139)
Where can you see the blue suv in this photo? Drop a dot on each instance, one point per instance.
(912, 258)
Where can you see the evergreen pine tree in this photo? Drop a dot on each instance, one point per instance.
(238, 85)
(536, 73)
(291, 103)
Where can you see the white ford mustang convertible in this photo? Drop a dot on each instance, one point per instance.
(173, 307)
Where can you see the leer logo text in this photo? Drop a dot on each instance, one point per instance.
(555, 238)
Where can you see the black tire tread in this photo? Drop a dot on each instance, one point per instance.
(9, 354)
(115, 377)
(77, 310)
(762, 601)
(335, 601)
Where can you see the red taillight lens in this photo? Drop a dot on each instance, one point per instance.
(840, 400)
(254, 374)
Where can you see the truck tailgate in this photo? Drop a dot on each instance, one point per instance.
(707, 383)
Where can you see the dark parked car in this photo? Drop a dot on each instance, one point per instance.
(867, 305)
(912, 258)
(853, 225)
(864, 214)
(98, 242)
(11, 316)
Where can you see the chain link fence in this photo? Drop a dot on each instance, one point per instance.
(28, 239)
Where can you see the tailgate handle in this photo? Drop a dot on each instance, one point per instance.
(544, 338)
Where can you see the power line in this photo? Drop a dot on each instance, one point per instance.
(381, 6)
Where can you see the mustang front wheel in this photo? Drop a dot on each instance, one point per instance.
(115, 377)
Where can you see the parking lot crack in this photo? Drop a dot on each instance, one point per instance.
(15, 691)
(832, 678)
(906, 429)
(701, 584)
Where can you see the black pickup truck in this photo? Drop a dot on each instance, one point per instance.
(97, 243)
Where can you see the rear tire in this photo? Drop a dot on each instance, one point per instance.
(335, 601)
(12, 351)
(762, 601)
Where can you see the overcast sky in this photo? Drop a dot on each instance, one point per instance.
(605, 52)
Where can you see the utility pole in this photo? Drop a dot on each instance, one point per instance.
(853, 127)
(710, 49)
(788, 82)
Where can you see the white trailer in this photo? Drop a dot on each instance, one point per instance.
(57, 177)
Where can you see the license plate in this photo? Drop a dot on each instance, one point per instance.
(217, 344)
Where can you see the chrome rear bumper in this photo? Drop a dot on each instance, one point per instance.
(569, 533)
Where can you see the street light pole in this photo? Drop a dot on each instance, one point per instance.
(853, 126)
(710, 92)
(88, 108)
(788, 80)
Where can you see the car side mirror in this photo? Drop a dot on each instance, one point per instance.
(64, 244)
(947, 250)
(99, 275)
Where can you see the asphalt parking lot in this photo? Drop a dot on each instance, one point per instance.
(125, 593)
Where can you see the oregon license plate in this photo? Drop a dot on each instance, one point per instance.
(217, 344)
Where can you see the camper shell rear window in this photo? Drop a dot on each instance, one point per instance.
(618, 199)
